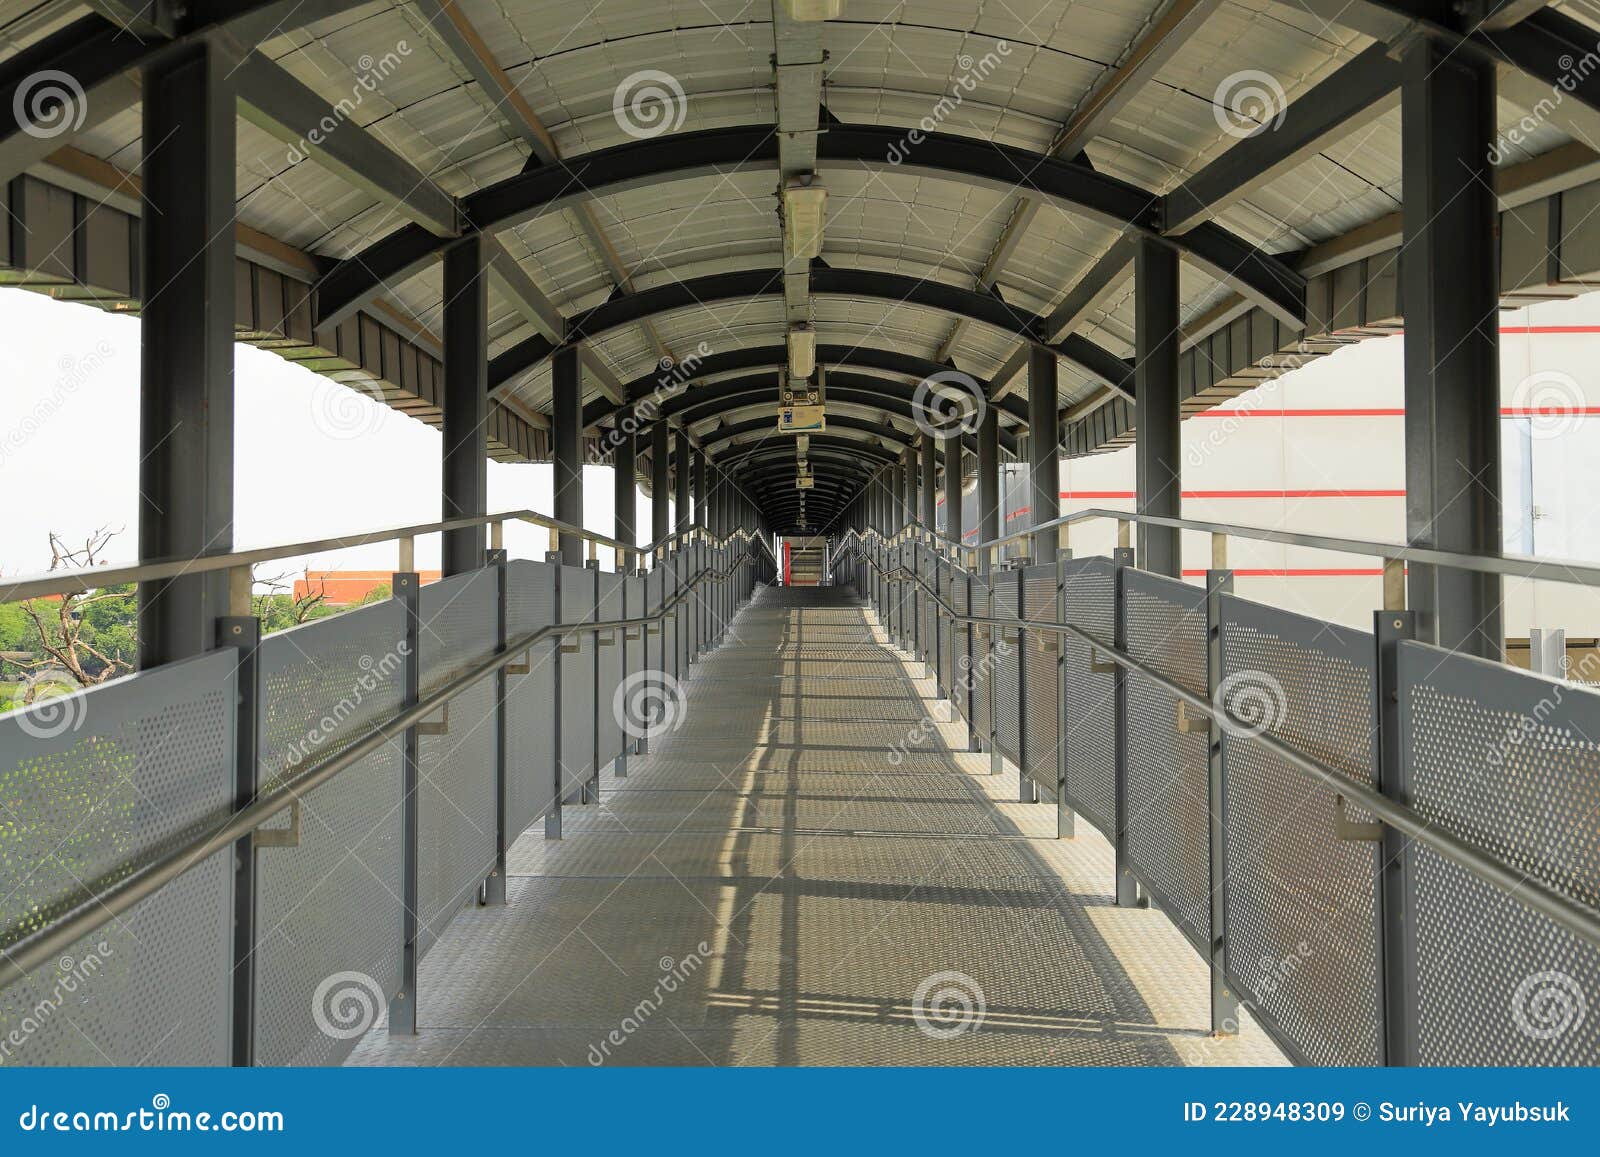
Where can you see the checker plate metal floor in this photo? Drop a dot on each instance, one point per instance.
(812, 869)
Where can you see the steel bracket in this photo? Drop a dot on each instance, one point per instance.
(1346, 829)
(1192, 724)
(440, 726)
(288, 837)
(1101, 666)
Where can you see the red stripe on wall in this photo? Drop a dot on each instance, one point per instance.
(1299, 571)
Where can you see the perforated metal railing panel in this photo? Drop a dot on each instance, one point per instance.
(1511, 762)
(1168, 838)
(577, 675)
(530, 697)
(118, 775)
(331, 904)
(982, 664)
(1303, 928)
(609, 664)
(455, 769)
(1091, 755)
(1007, 668)
(928, 636)
(1040, 655)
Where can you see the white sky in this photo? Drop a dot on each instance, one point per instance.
(313, 459)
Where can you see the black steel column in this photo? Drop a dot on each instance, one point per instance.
(698, 481)
(660, 487)
(1450, 287)
(681, 477)
(624, 462)
(186, 346)
(911, 477)
(952, 487)
(1158, 462)
(566, 421)
(466, 401)
(1044, 464)
(930, 484)
(988, 483)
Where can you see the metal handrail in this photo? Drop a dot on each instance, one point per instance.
(90, 914)
(1515, 566)
(1574, 916)
(81, 579)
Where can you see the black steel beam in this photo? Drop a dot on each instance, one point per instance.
(929, 490)
(737, 393)
(566, 437)
(774, 358)
(273, 100)
(1452, 363)
(1358, 92)
(465, 483)
(102, 60)
(742, 285)
(1075, 188)
(186, 398)
(1158, 453)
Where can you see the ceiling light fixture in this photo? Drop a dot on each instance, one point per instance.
(805, 212)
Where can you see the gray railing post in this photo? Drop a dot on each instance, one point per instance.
(494, 888)
(552, 816)
(1397, 894)
(970, 633)
(243, 633)
(407, 587)
(590, 792)
(1127, 888)
(1027, 792)
(1224, 1002)
(1066, 819)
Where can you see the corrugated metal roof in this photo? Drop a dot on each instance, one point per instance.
(1012, 71)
